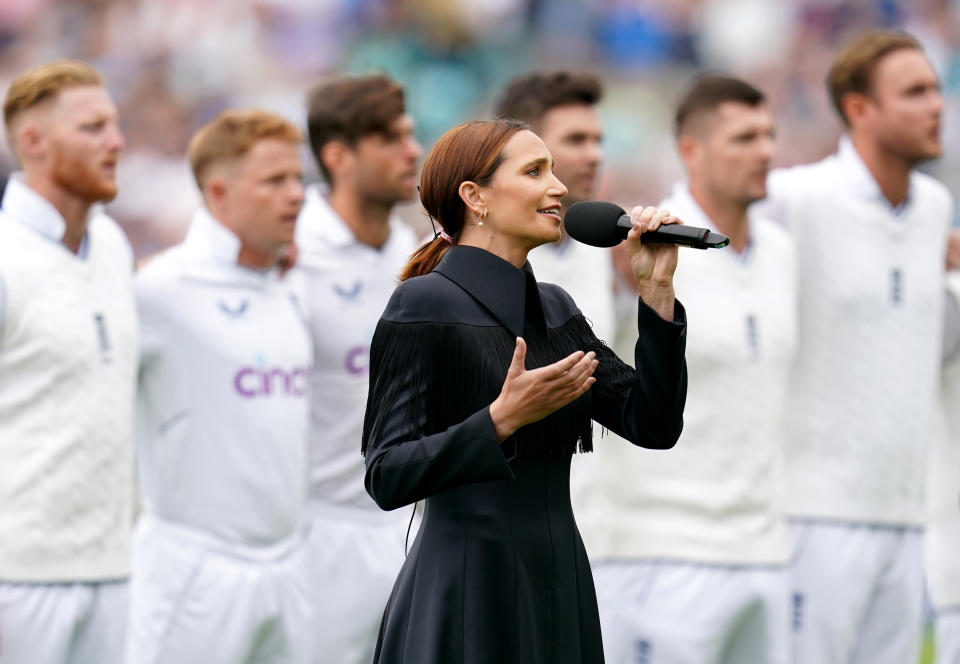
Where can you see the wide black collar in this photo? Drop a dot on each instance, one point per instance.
(511, 295)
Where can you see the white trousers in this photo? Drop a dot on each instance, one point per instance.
(947, 636)
(857, 593)
(197, 600)
(655, 612)
(354, 560)
(62, 623)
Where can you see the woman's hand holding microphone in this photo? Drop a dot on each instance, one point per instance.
(653, 264)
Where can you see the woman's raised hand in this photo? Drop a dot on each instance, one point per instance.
(528, 396)
(653, 264)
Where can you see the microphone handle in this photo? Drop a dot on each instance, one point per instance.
(687, 236)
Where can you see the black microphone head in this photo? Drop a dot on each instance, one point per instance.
(594, 223)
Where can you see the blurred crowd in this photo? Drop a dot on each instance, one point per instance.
(173, 64)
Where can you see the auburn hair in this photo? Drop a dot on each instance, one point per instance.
(470, 152)
(44, 82)
(231, 134)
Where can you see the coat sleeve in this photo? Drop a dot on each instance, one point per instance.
(644, 406)
(404, 463)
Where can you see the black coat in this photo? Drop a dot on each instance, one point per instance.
(498, 572)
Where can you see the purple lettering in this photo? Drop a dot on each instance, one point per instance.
(238, 383)
(268, 381)
(251, 382)
(299, 380)
(358, 360)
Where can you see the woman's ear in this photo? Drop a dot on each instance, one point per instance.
(471, 195)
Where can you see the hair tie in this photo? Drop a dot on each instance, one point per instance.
(444, 235)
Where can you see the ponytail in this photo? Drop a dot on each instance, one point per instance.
(425, 259)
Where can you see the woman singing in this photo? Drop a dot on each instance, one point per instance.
(483, 384)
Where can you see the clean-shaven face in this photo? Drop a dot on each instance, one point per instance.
(264, 193)
(524, 197)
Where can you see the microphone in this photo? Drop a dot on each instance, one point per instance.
(601, 224)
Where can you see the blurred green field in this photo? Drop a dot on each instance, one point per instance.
(926, 655)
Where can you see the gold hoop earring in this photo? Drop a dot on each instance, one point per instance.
(483, 218)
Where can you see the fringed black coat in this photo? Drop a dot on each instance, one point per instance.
(498, 572)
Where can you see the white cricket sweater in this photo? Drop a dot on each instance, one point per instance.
(942, 542)
(717, 496)
(68, 358)
(347, 285)
(224, 392)
(864, 391)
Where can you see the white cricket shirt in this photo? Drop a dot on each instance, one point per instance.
(347, 285)
(717, 496)
(860, 413)
(224, 391)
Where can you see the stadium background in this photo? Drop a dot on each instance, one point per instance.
(173, 64)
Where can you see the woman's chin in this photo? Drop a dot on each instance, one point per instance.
(553, 234)
(545, 236)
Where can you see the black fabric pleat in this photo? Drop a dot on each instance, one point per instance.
(462, 368)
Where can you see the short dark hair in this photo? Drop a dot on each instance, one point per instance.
(852, 69)
(529, 97)
(351, 107)
(706, 92)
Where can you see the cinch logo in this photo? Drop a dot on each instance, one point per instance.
(358, 360)
(254, 382)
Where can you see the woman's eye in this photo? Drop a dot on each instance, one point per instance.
(534, 171)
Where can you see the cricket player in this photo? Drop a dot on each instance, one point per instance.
(943, 529)
(68, 362)
(561, 108)
(220, 570)
(352, 247)
(690, 548)
(871, 233)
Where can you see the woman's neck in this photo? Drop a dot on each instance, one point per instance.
(499, 245)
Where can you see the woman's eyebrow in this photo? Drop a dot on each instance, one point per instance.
(538, 162)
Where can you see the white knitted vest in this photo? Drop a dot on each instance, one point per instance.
(68, 362)
(861, 409)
